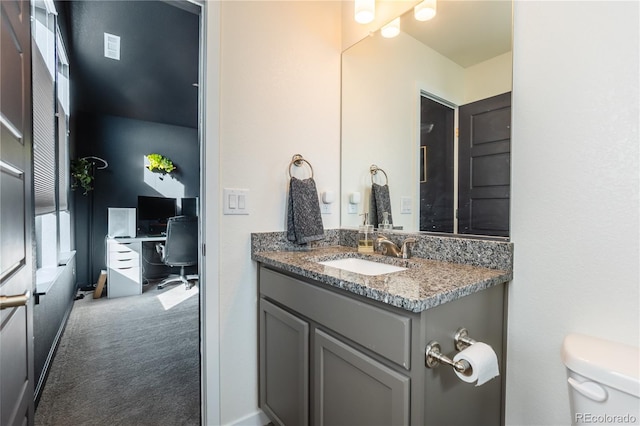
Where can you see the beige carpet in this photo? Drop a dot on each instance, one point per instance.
(127, 361)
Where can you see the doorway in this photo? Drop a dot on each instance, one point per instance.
(122, 131)
(436, 165)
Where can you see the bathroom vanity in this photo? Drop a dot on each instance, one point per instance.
(340, 347)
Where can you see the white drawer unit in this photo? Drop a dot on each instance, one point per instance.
(124, 274)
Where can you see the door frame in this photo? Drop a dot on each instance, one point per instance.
(423, 93)
(208, 135)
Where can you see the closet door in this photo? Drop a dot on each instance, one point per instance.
(485, 166)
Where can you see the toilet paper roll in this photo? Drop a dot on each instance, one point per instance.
(483, 361)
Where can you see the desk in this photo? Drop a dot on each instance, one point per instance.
(124, 265)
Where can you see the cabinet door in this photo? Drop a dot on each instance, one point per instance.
(284, 366)
(353, 389)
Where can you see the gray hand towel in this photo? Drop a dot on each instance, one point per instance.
(380, 203)
(304, 223)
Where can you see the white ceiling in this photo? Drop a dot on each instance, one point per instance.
(465, 31)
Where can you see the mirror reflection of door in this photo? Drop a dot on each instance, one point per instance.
(436, 166)
(484, 166)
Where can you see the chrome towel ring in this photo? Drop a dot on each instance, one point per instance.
(297, 160)
(374, 170)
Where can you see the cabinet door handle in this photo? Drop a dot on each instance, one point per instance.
(15, 300)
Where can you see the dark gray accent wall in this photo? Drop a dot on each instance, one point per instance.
(158, 67)
(123, 143)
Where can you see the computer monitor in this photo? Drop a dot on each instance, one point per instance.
(189, 207)
(153, 213)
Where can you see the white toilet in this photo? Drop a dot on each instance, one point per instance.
(604, 380)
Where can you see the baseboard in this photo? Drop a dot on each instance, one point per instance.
(256, 419)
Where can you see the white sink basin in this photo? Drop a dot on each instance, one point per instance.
(362, 266)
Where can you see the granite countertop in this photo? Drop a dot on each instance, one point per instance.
(424, 284)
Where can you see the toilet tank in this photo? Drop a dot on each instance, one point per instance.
(603, 379)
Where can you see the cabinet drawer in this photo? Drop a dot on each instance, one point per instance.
(115, 257)
(118, 247)
(124, 263)
(129, 272)
(383, 332)
(123, 282)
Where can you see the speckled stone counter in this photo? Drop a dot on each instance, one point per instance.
(425, 283)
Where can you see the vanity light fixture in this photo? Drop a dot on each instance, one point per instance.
(392, 29)
(365, 11)
(425, 10)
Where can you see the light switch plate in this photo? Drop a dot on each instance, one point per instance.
(235, 201)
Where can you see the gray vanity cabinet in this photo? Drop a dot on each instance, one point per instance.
(329, 357)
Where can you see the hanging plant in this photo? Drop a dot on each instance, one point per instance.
(160, 163)
(81, 173)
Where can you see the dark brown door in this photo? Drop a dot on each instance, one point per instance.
(16, 217)
(484, 166)
(436, 166)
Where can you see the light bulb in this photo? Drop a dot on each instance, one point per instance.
(365, 11)
(392, 29)
(425, 10)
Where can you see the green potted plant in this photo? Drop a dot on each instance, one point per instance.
(81, 173)
(160, 163)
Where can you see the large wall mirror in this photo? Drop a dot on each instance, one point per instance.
(431, 108)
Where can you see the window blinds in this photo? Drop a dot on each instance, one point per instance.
(44, 140)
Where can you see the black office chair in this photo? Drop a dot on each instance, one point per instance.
(180, 248)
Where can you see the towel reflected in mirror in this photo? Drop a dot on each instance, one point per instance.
(380, 203)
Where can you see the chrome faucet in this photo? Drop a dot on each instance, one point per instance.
(388, 248)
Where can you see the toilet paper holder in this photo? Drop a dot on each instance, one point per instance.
(462, 339)
(433, 356)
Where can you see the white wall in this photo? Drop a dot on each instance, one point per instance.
(279, 96)
(575, 208)
(489, 78)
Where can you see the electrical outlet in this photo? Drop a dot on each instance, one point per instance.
(352, 208)
(405, 205)
(325, 208)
